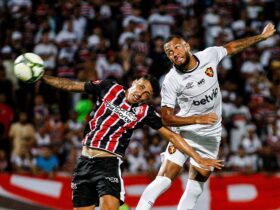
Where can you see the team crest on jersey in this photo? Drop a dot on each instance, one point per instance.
(171, 149)
(209, 72)
(96, 82)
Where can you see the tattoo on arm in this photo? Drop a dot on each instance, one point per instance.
(241, 44)
(64, 84)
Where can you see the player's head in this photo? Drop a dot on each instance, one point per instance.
(143, 89)
(178, 51)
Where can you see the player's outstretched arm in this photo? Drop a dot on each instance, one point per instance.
(170, 119)
(184, 147)
(64, 84)
(240, 44)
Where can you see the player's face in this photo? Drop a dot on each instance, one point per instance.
(178, 51)
(140, 91)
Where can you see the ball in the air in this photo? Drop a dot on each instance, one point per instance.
(29, 67)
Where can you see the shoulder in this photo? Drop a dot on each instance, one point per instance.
(215, 52)
(212, 49)
(172, 75)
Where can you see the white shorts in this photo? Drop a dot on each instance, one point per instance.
(206, 147)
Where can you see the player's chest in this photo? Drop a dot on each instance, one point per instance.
(197, 83)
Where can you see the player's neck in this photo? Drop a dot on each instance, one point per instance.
(192, 64)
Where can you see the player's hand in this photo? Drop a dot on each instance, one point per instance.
(268, 30)
(207, 163)
(210, 118)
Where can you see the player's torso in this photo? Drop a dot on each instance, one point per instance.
(198, 91)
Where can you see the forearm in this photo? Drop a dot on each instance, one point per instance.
(179, 143)
(241, 44)
(179, 121)
(64, 84)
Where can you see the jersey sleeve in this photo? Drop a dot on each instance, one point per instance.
(98, 87)
(168, 93)
(217, 53)
(153, 119)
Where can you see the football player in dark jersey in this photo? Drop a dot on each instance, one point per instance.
(97, 177)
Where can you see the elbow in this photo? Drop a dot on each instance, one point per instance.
(230, 49)
(167, 120)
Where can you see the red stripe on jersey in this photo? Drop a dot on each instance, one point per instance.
(96, 139)
(124, 106)
(101, 110)
(116, 136)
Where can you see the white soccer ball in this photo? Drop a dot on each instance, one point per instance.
(29, 67)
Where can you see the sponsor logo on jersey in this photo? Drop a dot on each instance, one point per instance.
(189, 85)
(207, 98)
(209, 72)
(171, 149)
(125, 115)
(112, 179)
(201, 82)
(137, 110)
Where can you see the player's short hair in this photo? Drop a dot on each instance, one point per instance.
(154, 83)
(170, 38)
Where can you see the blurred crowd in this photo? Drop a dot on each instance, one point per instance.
(41, 128)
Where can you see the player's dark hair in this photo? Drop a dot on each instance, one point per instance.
(170, 38)
(154, 83)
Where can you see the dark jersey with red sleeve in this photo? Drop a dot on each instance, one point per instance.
(114, 119)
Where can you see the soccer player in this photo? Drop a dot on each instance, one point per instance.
(97, 176)
(193, 83)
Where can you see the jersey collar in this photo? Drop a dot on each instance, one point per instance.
(191, 70)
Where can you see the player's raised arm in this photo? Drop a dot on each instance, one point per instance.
(64, 84)
(240, 44)
(184, 147)
(170, 119)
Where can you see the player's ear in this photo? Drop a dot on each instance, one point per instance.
(187, 46)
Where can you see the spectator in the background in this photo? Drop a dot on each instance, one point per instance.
(268, 161)
(127, 34)
(46, 162)
(140, 23)
(45, 27)
(17, 43)
(114, 69)
(22, 134)
(160, 22)
(3, 161)
(40, 110)
(251, 67)
(93, 39)
(22, 162)
(47, 51)
(8, 64)
(210, 20)
(160, 62)
(56, 128)
(136, 160)
(241, 162)
(67, 41)
(251, 143)
(6, 114)
(42, 137)
(79, 23)
(83, 108)
(6, 87)
(273, 139)
(240, 115)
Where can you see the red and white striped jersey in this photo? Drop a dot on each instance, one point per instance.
(114, 119)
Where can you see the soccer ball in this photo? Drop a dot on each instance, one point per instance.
(29, 67)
